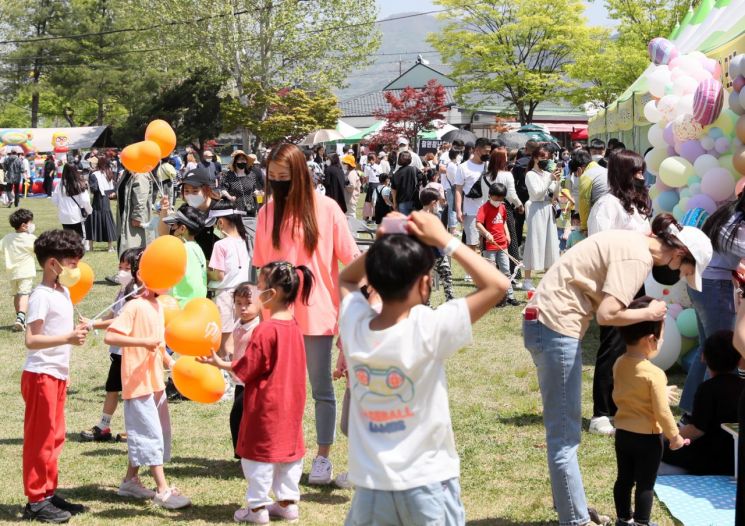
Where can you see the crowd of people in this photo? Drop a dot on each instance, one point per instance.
(267, 242)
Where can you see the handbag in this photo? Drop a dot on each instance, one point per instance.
(476, 191)
(83, 211)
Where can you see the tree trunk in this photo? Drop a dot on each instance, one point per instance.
(36, 75)
(100, 114)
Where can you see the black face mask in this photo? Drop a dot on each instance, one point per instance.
(280, 189)
(485, 158)
(240, 166)
(639, 184)
(664, 275)
(543, 164)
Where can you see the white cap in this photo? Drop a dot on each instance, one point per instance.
(699, 245)
(403, 140)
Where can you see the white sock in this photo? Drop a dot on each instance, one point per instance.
(105, 421)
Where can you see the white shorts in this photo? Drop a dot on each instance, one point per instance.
(469, 227)
(224, 301)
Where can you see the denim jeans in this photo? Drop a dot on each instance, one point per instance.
(558, 359)
(450, 197)
(406, 207)
(500, 259)
(715, 310)
(318, 362)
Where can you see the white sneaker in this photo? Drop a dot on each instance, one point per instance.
(260, 516)
(134, 488)
(342, 481)
(601, 425)
(528, 285)
(467, 278)
(289, 513)
(171, 499)
(321, 472)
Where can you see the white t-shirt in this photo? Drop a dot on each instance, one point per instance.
(230, 255)
(448, 178)
(468, 175)
(54, 307)
(400, 433)
(608, 214)
(372, 172)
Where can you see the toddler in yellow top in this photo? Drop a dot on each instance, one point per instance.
(640, 393)
(20, 267)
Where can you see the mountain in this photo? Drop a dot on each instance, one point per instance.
(402, 40)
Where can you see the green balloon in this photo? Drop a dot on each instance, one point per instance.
(687, 323)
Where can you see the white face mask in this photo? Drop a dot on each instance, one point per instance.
(194, 200)
(596, 158)
(31, 228)
(495, 203)
(124, 277)
(328, 162)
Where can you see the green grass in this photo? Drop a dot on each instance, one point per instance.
(494, 399)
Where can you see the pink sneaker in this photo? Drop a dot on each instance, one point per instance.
(260, 516)
(289, 513)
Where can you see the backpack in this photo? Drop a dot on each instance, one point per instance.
(13, 169)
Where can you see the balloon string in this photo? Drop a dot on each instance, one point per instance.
(120, 300)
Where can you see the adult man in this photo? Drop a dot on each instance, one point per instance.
(593, 183)
(212, 166)
(597, 151)
(403, 146)
(13, 177)
(447, 179)
(468, 197)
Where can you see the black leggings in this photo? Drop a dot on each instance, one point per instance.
(611, 348)
(236, 414)
(740, 501)
(638, 458)
(75, 227)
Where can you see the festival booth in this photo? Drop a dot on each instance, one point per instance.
(689, 107)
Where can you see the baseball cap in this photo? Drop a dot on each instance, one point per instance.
(403, 140)
(699, 245)
(198, 177)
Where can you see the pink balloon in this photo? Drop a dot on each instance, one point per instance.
(690, 150)
(702, 201)
(721, 145)
(707, 101)
(662, 186)
(718, 184)
(717, 73)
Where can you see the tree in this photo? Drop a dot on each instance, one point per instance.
(290, 114)
(606, 73)
(514, 50)
(639, 21)
(411, 113)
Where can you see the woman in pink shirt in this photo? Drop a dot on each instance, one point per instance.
(304, 228)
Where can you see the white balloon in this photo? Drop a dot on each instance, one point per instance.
(742, 66)
(670, 346)
(734, 66)
(685, 105)
(734, 103)
(654, 159)
(656, 137)
(705, 162)
(685, 86)
(741, 96)
(658, 79)
(651, 113)
(667, 105)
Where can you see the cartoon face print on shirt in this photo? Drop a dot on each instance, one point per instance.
(385, 383)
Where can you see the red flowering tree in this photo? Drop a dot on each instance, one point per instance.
(410, 113)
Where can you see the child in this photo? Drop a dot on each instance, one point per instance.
(50, 335)
(402, 456)
(228, 267)
(102, 431)
(640, 392)
(576, 236)
(431, 200)
(139, 331)
(491, 222)
(564, 221)
(273, 371)
(18, 251)
(185, 224)
(247, 312)
(711, 451)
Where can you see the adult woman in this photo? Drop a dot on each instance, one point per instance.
(715, 309)
(239, 186)
(335, 182)
(625, 207)
(304, 228)
(99, 225)
(134, 196)
(72, 200)
(354, 184)
(405, 184)
(542, 242)
(498, 172)
(597, 278)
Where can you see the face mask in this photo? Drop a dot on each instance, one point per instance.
(218, 233)
(280, 189)
(495, 203)
(31, 228)
(328, 162)
(261, 293)
(124, 277)
(639, 184)
(543, 164)
(485, 158)
(68, 277)
(575, 228)
(194, 200)
(240, 166)
(596, 158)
(565, 157)
(664, 275)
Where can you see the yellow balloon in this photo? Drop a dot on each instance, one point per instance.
(675, 172)
(725, 123)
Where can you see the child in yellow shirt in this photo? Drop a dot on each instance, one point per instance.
(640, 393)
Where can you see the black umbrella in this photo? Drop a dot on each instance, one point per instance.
(463, 135)
(514, 139)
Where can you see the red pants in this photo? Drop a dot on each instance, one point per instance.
(43, 433)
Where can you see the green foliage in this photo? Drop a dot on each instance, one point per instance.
(514, 50)
(605, 73)
(639, 21)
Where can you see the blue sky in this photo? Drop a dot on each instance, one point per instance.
(596, 11)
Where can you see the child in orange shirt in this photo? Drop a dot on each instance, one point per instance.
(139, 331)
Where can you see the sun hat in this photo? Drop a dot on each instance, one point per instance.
(699, 245)
(349, 159)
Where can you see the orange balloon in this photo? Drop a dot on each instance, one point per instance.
(738, 159)
(140, 157)
(170, 307)
(198, 381)
(161, 133)
(196, 330)
(740, 128)
(81, 289)
(163, 264)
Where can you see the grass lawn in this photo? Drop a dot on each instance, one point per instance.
(494, 399)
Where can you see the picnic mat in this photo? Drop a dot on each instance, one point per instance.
(698, 501)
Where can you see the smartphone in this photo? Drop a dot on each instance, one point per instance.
(560, 164)
(394, 225)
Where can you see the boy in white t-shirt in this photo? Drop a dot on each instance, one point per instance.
(402, 456)
(20, 267)
(50, 335)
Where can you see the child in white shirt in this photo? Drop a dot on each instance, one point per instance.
(402, 452)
